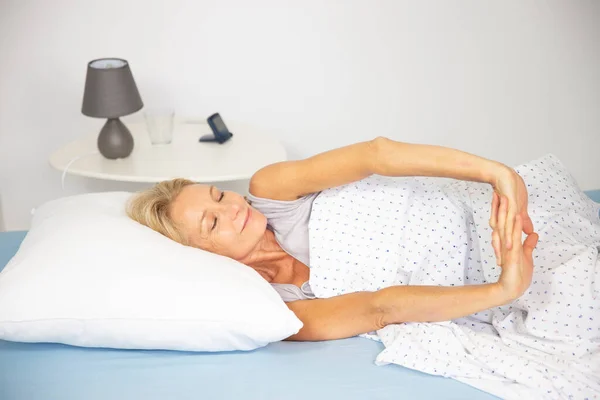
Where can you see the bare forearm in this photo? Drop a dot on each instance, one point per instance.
(406, 159)
(360, 312)
(399, 304)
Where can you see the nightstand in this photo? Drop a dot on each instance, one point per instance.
(237, 159)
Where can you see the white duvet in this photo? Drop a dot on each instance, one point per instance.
(422, 231)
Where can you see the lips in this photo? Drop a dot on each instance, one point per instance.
(247, 218)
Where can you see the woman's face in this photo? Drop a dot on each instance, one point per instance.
(218, 221)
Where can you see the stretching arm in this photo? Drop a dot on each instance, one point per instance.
(355, 313)
(290, 180)
(436, 303)
(406, 159)
(361, 312)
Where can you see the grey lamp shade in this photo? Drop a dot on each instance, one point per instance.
(110, 90)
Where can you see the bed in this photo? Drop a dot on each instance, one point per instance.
(341, 369)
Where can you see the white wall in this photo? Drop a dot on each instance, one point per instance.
(2, 228)
(509, 80)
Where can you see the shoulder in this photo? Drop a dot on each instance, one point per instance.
(273, 182)
(290, 180)
(269, 203)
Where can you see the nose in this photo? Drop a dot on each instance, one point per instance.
(231, 210)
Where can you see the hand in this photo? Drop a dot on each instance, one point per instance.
(510, 185)
(517, 263)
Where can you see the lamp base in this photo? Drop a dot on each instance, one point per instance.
(115, 140)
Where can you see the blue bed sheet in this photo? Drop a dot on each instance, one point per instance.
(594, 195)
(341, 369)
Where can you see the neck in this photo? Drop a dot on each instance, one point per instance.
(273, 263)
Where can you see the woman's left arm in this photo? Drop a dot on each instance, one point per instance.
(406, 159)
(290, 180)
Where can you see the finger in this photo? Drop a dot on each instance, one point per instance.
(502, 219)
(529, 245)
(494, 211)
(527, 224)
(510, 222)
(516, 252)
(497, 245)
(517, 232)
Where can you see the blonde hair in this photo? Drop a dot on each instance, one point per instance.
(152, 208)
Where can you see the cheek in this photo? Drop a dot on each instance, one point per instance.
(258, 218)
(228, 236)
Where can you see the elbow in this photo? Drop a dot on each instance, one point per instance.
(380, 310)
(378, 145)
(377, 149)
(339, 317)
(379, 140)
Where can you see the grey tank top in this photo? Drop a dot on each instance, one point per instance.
(288, 219)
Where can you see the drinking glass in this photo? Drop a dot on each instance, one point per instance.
(159, 122)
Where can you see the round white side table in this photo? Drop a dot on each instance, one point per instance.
(239, 158)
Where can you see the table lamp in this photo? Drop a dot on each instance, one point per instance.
(110, 92)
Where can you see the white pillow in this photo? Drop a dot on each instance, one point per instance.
(87, 275)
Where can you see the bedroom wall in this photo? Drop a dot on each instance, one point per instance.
(2, 227)
(510, 80)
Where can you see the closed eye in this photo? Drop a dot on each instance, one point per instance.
(214, 225)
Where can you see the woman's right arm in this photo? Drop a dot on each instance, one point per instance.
(361, 312)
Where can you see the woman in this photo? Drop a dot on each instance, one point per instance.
(277, 247)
